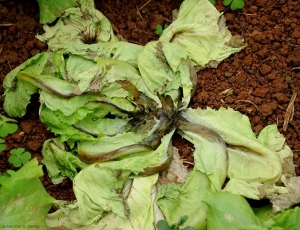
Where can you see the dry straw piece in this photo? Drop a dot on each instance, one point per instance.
(288, 117)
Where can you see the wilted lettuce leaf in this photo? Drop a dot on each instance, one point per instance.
(98, 186)
(204, 36)
(140, 203)
(96, 189)
(98, 98)
(59, 162)
(251, 164)
(177, 172)
(100, 126)
(177, 200)
(67, 106)
(65, 131)
(286, 200)
(17, 94)
(222, 121)
(136, 197)
(83, 72)
(165, 72)
(272, 139)
(115, 72)
(23, 199)
(119, 50)
(210, 158)
(105, 144)
(76, 23)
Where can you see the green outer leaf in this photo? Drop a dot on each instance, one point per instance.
(23, 199)
(228, 211)
(50, 10)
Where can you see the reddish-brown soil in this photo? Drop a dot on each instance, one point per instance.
(259, 80)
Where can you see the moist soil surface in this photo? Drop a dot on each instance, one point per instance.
(259, 81)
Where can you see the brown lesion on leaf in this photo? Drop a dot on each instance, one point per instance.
(160, 54)
(90, 35)
(96, 85)
(132, 90)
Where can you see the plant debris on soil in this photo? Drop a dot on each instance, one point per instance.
(259, 81)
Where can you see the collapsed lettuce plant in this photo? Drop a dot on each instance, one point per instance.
(115, 106)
